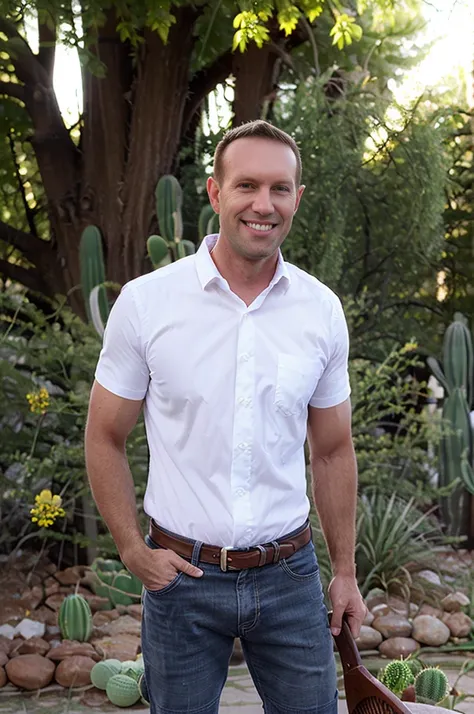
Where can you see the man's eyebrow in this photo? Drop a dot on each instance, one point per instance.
(249, 179)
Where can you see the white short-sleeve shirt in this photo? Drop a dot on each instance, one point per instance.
(226, 390)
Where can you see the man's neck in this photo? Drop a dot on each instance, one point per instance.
(246, 278)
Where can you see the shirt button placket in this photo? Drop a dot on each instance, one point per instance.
(243, 429)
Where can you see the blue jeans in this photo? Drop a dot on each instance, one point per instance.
(189, 626)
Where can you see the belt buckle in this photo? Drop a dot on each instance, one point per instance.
(223, 558)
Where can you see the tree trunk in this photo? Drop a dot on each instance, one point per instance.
(256, 74)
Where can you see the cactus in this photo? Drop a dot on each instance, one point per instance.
(101, 672)
(122, 691)
(457, 442)
(91, 259)
(133, 669)
(415, 666)
(208, 222)
(431, 686)
(397, 676)
(75, 618)
(116, 583)
(169, 201)
(157, 250)
(143, 690)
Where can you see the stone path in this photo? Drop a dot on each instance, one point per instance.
(239, 695)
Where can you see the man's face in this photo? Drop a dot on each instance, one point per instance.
(257, 196)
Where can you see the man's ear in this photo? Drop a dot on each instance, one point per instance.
(213, 191)
(298, 196)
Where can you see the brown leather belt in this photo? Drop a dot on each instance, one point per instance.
(230, 558)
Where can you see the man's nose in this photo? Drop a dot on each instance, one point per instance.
(263, 202)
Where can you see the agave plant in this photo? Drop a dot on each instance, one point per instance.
(394, 541)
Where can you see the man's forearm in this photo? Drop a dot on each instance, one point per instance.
(334, 481)
(113, 490)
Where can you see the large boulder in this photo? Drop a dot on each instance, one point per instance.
(393, 625)
(396, 647)
(30, 671)
(369, 639)
(459, 624)
(74, 671)
(454, 602)
(430, 631)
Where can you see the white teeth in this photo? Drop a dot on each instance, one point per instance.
(260, 227)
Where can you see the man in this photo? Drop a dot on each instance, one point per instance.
(237, 356)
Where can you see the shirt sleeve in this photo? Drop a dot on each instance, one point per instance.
(333, 387)
(122, 368)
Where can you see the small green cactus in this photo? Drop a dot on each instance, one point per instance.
(415, 665)
(397, 676)
(431, 686)
(157, 250)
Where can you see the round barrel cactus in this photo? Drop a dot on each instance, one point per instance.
(101, 672)
(431, 686)
(133, 669)
(75, 618)
(397, 676)
(143, 690)
(122, 691)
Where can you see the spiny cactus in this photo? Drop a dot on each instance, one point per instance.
(457, 369)
(91, 260)
(75, 618)
(431, 686)
(397, 676)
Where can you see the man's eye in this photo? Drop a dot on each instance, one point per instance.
(282, 188)
(245, 185)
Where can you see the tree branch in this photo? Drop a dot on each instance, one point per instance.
(29, 278)
(47, 47)
(12, 89)
(21, 188)
(27, 66)
(33, 248)
(204, 82)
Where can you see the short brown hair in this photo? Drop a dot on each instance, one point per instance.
(256, 129)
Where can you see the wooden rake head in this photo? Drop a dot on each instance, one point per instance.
(364, 693)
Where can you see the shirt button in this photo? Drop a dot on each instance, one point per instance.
(240, 492)
(245, 357)
(243, 446)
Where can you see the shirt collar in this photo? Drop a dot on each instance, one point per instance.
(208, 273)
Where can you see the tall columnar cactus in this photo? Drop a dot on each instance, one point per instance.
(169, 203)
(91, 259)
(456, 375)
(431, 686)
(397, 676)
(208, 222)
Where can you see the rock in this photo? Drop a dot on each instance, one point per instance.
(369, 639)
(122, 647)
(99, 619)
(125, 625)
(409, 694)
(30, 628)
(430, 631)
(30, 671)
(50, 568)
(136, 611)
(35, 645)
(375, 597)
(454, 602)
(396, 647)
(17, 642)
(369, 618)
(94, 698)
(70, 576)
(393, 625)
(32, 597)
(429, 610)
(381, 610)
(51, 587)
(459, 624)
(5, 644)
(401, 607)
(54, 601)
(430, 576)
(3, 658)
(11, 610)
(3, 677)
(53, 632)
(97, 603)
(7, 632)
(72, 648)
(74, 671)
(44, 614)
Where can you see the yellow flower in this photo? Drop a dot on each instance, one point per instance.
(409, 347)
(47, 509)
(38, 401)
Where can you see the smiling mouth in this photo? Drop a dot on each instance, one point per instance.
(262, 227)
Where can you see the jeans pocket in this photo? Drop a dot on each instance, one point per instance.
(173, 583)
(302, 565)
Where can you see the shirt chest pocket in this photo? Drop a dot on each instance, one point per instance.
(296, 381)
